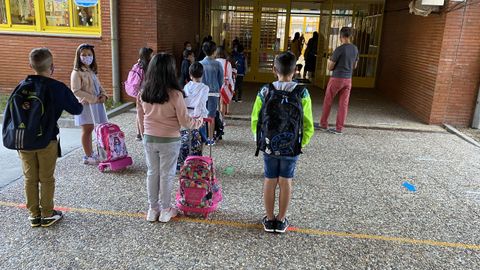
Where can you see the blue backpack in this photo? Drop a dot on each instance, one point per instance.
(27, 116)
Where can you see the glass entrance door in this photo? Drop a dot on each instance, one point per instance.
(270, 37)
(264, 28)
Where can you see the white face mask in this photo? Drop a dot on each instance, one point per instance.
(86, 60)
(189, 48)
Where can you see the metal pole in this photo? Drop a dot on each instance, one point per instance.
(476, 115)
(115, 53)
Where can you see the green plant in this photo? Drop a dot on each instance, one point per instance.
(3, 102)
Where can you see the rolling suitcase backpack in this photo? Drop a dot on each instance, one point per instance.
(111, 149)
(199, 191)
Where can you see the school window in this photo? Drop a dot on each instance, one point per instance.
(57, 13)
(3, 12)
(22, 12)
(51, 16)
(85, 16)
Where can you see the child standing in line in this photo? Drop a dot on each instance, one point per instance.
(188, 59)
(241, 64)
(161, 113)
(39, 160)
(196, 101)
(136, 77)
(88, 90)
(228, 82)
(213, 78)
(282, 129)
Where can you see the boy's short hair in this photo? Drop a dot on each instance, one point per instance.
(196, 70)
(41, 59)
(209, 47)
(187, 53)
(346, 32)
(240, 48)
(285, 63)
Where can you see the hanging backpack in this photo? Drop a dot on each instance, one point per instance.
(134, 81)
(28, 115)
(226, 91)
(280, 124)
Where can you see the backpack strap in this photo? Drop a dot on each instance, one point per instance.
(225, 75)
(299, 90)
(271, 88)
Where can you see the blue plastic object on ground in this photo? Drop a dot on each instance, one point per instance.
(409, 187)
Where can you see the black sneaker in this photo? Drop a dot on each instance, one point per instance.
(282, 226)
(35, 221)
(334, 131)
(49, 221)
(268, 225)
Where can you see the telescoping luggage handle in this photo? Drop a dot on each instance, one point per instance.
(209, 120)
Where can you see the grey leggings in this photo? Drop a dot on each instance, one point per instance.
(162, 164)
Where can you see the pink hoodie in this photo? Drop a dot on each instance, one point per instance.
(164, 120)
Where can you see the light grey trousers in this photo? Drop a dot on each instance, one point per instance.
(162, 164)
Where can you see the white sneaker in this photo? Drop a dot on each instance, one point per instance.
(167, 214)
(152, 215)
(91, 160)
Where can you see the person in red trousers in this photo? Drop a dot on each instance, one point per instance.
(343, 61)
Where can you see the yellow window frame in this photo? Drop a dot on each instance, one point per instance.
(40, 22)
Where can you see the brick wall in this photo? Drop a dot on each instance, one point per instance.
(409, 56)
(459, 68)
(137, 29)
(431, 66)
(161, 25)
(178, 21)
(15, 48)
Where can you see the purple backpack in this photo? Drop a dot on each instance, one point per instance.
(134, 81)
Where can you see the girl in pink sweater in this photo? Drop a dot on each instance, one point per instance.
(161, 113)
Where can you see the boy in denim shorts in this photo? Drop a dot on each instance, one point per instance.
(282, 122)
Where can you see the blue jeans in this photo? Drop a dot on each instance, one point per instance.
(212, 106)
(279, 166)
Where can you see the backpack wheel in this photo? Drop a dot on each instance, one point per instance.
(101, 168)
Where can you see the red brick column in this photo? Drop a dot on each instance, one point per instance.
(459, 68)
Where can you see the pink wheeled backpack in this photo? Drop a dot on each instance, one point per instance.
(199, 191)
(111, 149)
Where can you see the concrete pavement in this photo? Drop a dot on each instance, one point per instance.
(367, 109)
(349, 210)
(12, 166)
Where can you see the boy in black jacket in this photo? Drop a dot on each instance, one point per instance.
(39, 164)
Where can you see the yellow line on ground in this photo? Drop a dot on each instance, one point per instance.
(242, 225)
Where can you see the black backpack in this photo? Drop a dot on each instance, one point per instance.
(27, 115)
(280, 123)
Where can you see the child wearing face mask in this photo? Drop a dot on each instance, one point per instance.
(188, 59)
(88, 90)
(39, 155)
